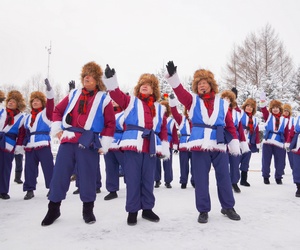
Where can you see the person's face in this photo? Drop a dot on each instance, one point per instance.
(275, 110)
(12, 104)
(249, 108)
(227, 99)
(203, 87)
(36, 103)
(146, 89)
(89, 83)
(286, 112)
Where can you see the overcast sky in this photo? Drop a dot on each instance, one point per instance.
(133, 36)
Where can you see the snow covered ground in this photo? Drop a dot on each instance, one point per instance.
(270, 219)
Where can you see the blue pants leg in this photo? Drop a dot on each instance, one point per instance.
(245, 160)
(184, 166)
(279, 161)
(46, 159)
(157, 176)
(296, 168)
(30, 173)
(6, 159)
(112, 171)
(139, 171)
(168, 168)
(234, 163)
(290, 156)
(267, 152)
(19, 162)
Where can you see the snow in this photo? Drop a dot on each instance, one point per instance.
(270, 216)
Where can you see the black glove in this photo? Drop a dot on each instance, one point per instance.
(171, 68)
(175, 151)
(109, 72)
(47, 83)
(71, 85)
(172, 96)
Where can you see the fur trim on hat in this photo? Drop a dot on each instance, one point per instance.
(94, 70)
(252, 103)
(231, 96)
(275, 103)
(152, 81)
(2, 96)
(168, 108)
(39, 95)
(207, 75)
(287, 107)
(17, 96)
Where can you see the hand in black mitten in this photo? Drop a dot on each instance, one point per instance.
(171, 68)
(47, 83)
(175, 151)
(109, 72)
(172, 96)
(71, 85)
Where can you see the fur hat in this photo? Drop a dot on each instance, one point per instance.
(17, 96)
(287, 107)
(168, 108)
(252, 103)
(2, 96)
(231, 96)
(275, 103)
(152, 81)
(38, 95)
(94, 70)
(207, 75)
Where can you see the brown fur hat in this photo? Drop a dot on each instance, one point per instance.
(252, 103)
(2, 96)
(207, 75)
(94, 70)
(17, 96)
(168, 108)
(152, 81)
(287, 107)
(231, 96)
(38, 95)
(275, 103)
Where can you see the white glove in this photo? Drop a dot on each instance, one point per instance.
(262, 96)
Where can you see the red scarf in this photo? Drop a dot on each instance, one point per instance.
(117, 109)
(277, 120)
(10, 115)
(207, 97)
(149, 99)
(34, 113)
(250, 122)
(83, 99)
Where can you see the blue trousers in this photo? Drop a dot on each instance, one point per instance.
(234, 163)
(296, 168)
(185, 160)
(32, 160)
(201, 165)
(139, 170)
(291, 157)
(113, 161)
(245, 160)
(279, 154)
(168, 169)
(19, 163)
(87, 163)
(6, 159)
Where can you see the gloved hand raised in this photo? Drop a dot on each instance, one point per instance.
(172, 96)
(109, 72)
(171, 68)
(71, 85)
(47, 83)
(262, 96)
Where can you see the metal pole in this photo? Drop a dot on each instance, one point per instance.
(49, 53)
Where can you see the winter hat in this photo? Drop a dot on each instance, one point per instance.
(94, 70)
(17, 96)
(39, 95)
(235, 91)
(2, 96)
(165, 96)
(207, 75)
(275, 103)
(168, 108)
(231, 96)
(287, 107)
(252, 103)
(152, 81)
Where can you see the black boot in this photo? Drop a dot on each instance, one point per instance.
(203, 217)
(298, 190)
(87, 212)
(76, 191)
(132, 219)
(110, 196)
(18, 177)
(266, 181)
(168, 185)
(52, 214)
(148, 214)
(244, 176)
(236, 188)
(231, 213)
(29, 195)
(157, 184)
(278, 181)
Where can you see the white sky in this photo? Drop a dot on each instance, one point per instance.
(133, 36)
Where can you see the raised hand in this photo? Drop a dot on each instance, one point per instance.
(71, 85)
(47, 83)
(109, 72)
(171, 68)
(262, 96)
(172, 96)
